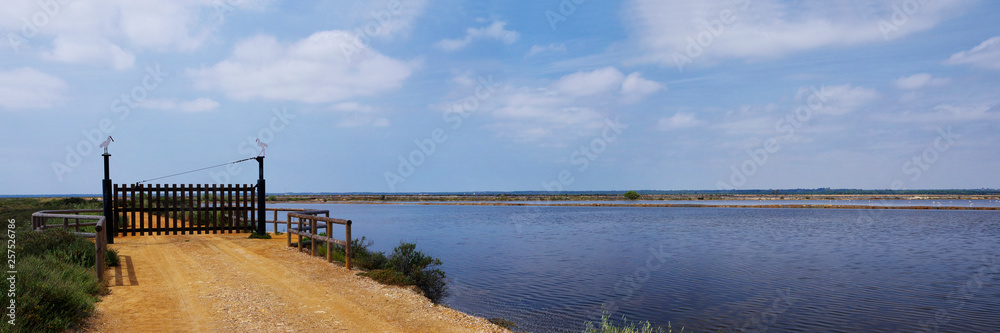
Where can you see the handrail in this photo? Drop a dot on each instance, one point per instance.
(299, 210)
(312, 221)
(38, 223)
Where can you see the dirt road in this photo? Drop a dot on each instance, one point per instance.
(229, 283)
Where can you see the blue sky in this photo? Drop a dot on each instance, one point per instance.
(411, 95)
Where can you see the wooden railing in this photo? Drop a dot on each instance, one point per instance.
(275, 221)
(308, 225)
(39, 222)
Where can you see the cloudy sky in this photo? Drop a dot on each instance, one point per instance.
(412, 95)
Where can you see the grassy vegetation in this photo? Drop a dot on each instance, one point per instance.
(607, 326)
(56, 284)
(503, 323)
(405, 266)
(255, 235)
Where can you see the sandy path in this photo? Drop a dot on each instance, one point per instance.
(227, 282)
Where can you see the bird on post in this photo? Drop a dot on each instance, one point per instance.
(106, 143)
(262, 146)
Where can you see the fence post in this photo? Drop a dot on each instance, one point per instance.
(261, 211)
(108, 230)
(100, 243)
(347, 247)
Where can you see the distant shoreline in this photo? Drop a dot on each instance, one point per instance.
(698, 201)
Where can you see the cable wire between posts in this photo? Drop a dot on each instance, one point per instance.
(196, 170)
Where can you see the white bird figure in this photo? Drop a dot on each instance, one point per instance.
(106, 143)
(262, 147)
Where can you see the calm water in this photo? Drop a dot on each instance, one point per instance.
(550, 269)
(883, 203)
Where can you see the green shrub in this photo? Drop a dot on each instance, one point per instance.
(405, 266)
(111, 258)
(63, 245)
(389, 277)
(632, 195)
(56, 282)
(53, 295)
(255, 235)
(423, 269)
(361, 255)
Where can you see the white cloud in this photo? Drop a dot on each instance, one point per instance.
(678, 121)
(946, 113)
(590, 83)
(985, 55)
(111, 32)
(839, 100)
(573, 106)
(311, 70)
(389, 18)
(537, 49)
(89, 50)
(718, 29)
(635, 88)
(27, 88)
(493, 31)
(196, 105)
(917, 81)
(605, 80)
(362, 120)
(351, 107)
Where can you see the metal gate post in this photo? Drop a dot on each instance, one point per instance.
(109, 222)
(261, 210)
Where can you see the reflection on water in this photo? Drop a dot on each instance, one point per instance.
(551, 269)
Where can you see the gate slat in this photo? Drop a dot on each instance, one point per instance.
(142, 205)
(199, 214)
(251, 217)
(232, 209)
(114, 210)
(173, 208)
(158, 203)
(131, 220)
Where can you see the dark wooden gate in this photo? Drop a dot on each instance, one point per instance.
(183, 209)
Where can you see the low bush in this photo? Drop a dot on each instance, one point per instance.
(56, 282)
(421, 268)
(53, 295)
(361, 255)
(389, 276)
(404, 266)
(63, 245)
(255, 235)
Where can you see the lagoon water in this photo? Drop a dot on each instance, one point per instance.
(551, 269)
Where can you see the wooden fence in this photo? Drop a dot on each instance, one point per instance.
(184, 209)
(308, 225)
(39, 221)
